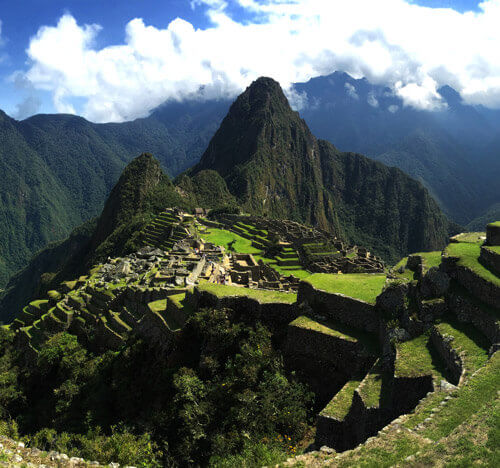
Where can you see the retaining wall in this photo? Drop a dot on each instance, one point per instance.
(347, 310)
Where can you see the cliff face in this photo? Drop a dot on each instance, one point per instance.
(275, 167)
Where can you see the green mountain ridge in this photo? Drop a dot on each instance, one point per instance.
(275, 167)
(59, 169)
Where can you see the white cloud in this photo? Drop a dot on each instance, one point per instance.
(393, 108)
(351, 91)
(412, 49)
(372, 100)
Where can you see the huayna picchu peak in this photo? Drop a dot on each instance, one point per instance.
(275, 167)
(250, 312)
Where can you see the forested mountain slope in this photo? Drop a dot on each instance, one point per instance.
(58, 169)
(275, 167)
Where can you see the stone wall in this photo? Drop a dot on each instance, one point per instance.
(491, 259)
(476, 285)
(360, 423)
(468, 310)
(493, 234)
(347, 310)
(349, 356)
(275, 315)
(451, 358)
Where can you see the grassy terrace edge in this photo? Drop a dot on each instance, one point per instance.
(362, 286)
(321, 327)
(260, 295)
(468, 255)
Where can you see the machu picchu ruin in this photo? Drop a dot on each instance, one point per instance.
(374, 344)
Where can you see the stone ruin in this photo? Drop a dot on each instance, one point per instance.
(334, 255)
(246, 271)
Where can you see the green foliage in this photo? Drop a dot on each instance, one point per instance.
(120, 446)
(222, 393)
(9, 388)
(254, 455)
(213, 214)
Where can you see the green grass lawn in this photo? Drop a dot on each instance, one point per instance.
(225, 238)
(339, 405)
(260, 295)
(474, 394)
(468, 255)
(431, 259)
(320, 327)
(471, 237)
(363, 286)
(416, 358)
(371, 389)
(158, 306)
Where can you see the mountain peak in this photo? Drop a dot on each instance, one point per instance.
(258, 123)
(264, 93)
(127, 197)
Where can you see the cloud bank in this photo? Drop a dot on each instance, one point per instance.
(412, 49)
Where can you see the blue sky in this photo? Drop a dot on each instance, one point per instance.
(22, 19)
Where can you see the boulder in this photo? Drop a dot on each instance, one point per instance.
(434, 283)
(393, 299)
(414, 262)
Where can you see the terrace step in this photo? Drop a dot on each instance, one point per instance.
(461, 262)
(418, 369)
(461, 346)
(469, 309)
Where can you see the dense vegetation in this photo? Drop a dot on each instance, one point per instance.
(58, 169)
(275, 167)
(142, 191)
(222, 393)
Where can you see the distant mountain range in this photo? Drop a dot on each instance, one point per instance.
(454, 151)
(58, 169)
